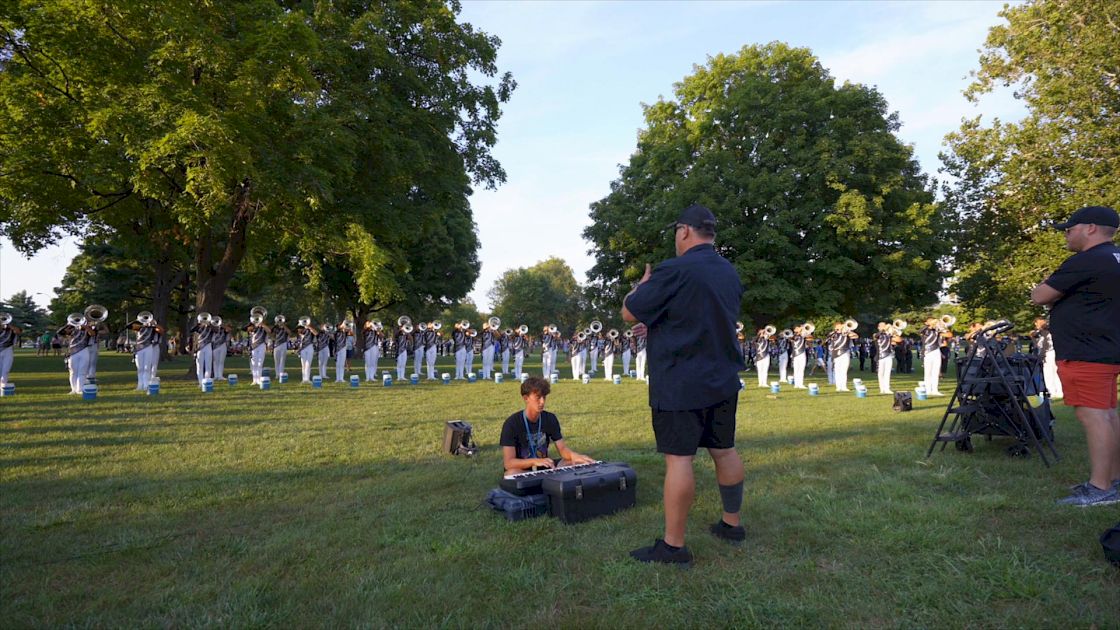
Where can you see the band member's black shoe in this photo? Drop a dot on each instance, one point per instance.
(660, 552)
(734, 535)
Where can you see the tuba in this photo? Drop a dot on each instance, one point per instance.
(596, 327)
(77, 320)
(769, 331)
(807, 328)
(522, 329)
(280, 320)
(95, 313)
(612, 334)
(204, 318)
(5, 319)
(850, 325)
(145, 318)
(494, 323)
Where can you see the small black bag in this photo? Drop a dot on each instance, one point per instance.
(903, 401)
(1110, 541)
(517, 508)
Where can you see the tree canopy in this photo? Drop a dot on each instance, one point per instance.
(1012, 179)
(820, 207)
(546, 293)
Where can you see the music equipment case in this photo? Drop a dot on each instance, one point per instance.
(457, 439)
(581, 494)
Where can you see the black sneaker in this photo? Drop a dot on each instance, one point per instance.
(660, 552)
(734, 535)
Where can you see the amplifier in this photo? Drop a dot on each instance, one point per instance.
(457, 439)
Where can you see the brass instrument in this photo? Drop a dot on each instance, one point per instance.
(522, 329)
(217, 321)
(436, 325)
(471, 332)
(787, 334)
(145, 318)
(404, 320)
(552, 329)
(807, 328)
(612, 334)
(946, 322)
(280, 320)
(850, 325)
(494, 323)
(305, 321)
(464, 325)
(5, 319)
(739, 326)
(422, 326)
(327, 328)
(258, 310)
(95, 313)
(769, 330)
(377, 325)
(203, 318)
(77, 320)
(581, 336)
(508, 332)
(628, 334)
(899, 324)
(407, 328)
(596, 327)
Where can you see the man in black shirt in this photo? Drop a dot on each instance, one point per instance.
(687, 307)
(527, 434)
(1084, 299)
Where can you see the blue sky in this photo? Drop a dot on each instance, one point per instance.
(584, 69)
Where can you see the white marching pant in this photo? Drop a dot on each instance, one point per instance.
(340, 366)
(577, 365)
(783, 361)
(402, 363)
(931, 366)
(840, 371)
(608, 367)
(626, 362)
(418, 356)
(460, 364)
(594, 360)
(518, 360)
(828, 369)
(505, 361)
(256, 363)
(470, 361)
(91, 361)
(885, 374)
(641, 365)
(487, 362)
(546, 362)
(371, 356)
(554, 355)
(763, 368)
(430, 356)
(218, 354)
(146, 360)
(7, 355)
(204, 363)
(324, 359)
(1050, 376)
(305, 356)
(78, 370)
(278, 356)
(799, 371)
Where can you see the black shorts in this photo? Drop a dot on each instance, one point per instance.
(682, 432)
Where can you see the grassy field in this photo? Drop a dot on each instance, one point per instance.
(297, 508)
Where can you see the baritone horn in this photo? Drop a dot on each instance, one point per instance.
(899, 324)
(279, 320)
(947, 321)
(5, 319)
(258, 310)
(596, 326)
(304, 321)
(465, 325)
(77, 320)
(494, 323)
(612, 334)
(436, 325)
(629, 333)
(522, 329)
(145, 318)
(204, 318)
(769, 330)
(377, 325)
(808, 328)
(552, 329)
(850, 325)
(787, 333)
(95, 313)
(739, 326)
(405, 320)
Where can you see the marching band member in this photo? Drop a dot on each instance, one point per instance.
(460, 340)
(884, 350)
(371, 341)
(201, 335)
(219, 344)
(322, 350)
(419, 350)
(577, 355)
(797, 345)
(548, 366)
(1044, 345)
(474, 346)
(611, 347)
(840, 349)
(554, 353)
(79, 334)
(341, 342)
(148, 337)
(517, 343)
(932, 336)
(100, 330)
(503, 343)
(627, 351)
(762, 357)
(404, 346)
(594, 348)
(783, 357)
(305, 341)
(9, 337)
(280, 334)
(487, 351)
(258, 340)
(431, 342)
(640, 357)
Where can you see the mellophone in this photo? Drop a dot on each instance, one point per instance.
(580, 492)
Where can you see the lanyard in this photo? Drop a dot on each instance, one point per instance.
(533, 441)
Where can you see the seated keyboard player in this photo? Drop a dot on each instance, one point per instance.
(526, 434)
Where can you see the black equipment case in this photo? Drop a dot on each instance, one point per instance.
(582, 494)
(457, 439)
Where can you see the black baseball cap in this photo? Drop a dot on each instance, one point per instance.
(695, 215)
(1096, 215)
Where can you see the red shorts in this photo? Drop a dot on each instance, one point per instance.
(1091, 385)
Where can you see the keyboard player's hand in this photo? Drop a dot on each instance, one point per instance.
(543, 462)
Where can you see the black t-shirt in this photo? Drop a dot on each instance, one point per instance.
(517, 430)
(1083, 322)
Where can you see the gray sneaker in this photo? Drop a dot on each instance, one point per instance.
(1087, 495)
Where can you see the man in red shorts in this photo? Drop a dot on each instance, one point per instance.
(1084, 300)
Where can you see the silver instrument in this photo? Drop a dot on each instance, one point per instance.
(946, 322)
(280, 320)
(405, 320)
(5, 319)
(552, 329)
(77, 320)
(145, 318)
(436, 325)
(787, 334)
(407, 328)
(522, 329)
(899, 324)
(95, 313)
(494, 323)
(612, 333)
(807, 328)
(596, 327)
(203, 318)
(217, 321)
(581, 336)
(256, 319)
(769, 330)
(850, 325)
(377, 325)
(464, 325)
(628, 334)
(739, 326)
(258, 310)
(327, 328)
(305, 321)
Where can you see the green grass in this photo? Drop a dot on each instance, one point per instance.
(298, 508)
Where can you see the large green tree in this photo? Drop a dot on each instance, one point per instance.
(821, 208)
(26, 314)
(333, 129)
(1062, 57)
(537, 296)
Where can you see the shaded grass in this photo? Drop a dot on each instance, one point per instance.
(296, 507)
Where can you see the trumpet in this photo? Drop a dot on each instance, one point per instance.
(77, 320)
(899, 324)
(145, 318)
(95, 313)
(522, 329)
(612, 334)
(404, 320)
(807, 328)
(596, 327)
(5, 319)
(204, 318)
(739, 326)
(769, 331)
(279, 320)
(494, 323)
(787, 333)
(436, 325)
(258, 310)
(305, 321)
(850, 325)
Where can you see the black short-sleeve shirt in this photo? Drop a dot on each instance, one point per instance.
(690, 304)
(1084, 321)
(517, 430)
